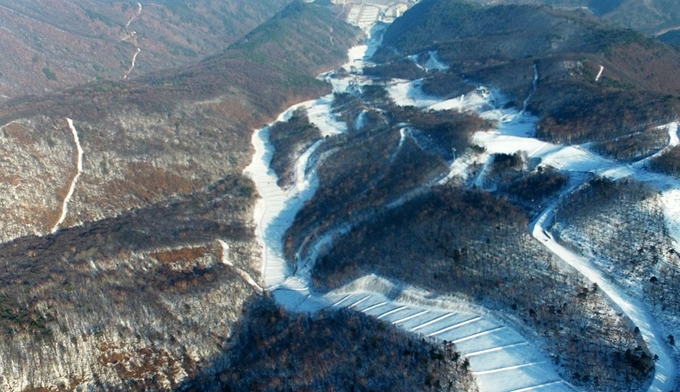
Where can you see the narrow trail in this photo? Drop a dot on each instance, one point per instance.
(132, 64)
(139, 12)
(79, 168)
(224, 258)
(664, 377)
(666, 30)
(132, 35)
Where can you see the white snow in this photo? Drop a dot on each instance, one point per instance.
(361, 120)
(501, 359)
(408, 93)
(79, 168)
(434, 63)
(132, 64)
(139, 12)
(224, 258)
(414, 58)
(225, 253)
(664, 376)
(319, 113)
(508, 355)
(671, 212)
(599, 74)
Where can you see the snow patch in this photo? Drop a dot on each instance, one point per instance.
(361, 121)
(434, 63)
(671, 213)
(599, 74)
(409, 93)
(243, 274)
(320, 115)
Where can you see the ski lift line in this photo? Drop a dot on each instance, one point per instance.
(506, 368)
(368, 309)
(342, 300)
(359, 302)
(540, 386)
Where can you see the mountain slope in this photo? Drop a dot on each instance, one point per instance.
(650, 17)
(49, 45)
(392, 202)
(500, 45)
(141, 284)
(173, 131)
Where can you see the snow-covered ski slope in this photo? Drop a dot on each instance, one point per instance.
(500, 358)
(514, 133)
(79, 171)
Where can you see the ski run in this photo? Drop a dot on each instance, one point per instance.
(132, 64)
(500, 358)
(79, 170)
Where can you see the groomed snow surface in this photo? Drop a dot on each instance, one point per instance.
(514, 133)
(500, 358)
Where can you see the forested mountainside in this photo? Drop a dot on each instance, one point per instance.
(653, 17)
(172, 132)
(500, 45)
(336, 349)
(493, 186)
(127, 233)
(50, 45)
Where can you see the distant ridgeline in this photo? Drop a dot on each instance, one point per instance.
(649, 16)
(499, 45)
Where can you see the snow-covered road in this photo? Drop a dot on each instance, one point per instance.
(132, 64)
(135, 16)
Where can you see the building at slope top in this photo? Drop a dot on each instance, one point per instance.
(366, 13)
